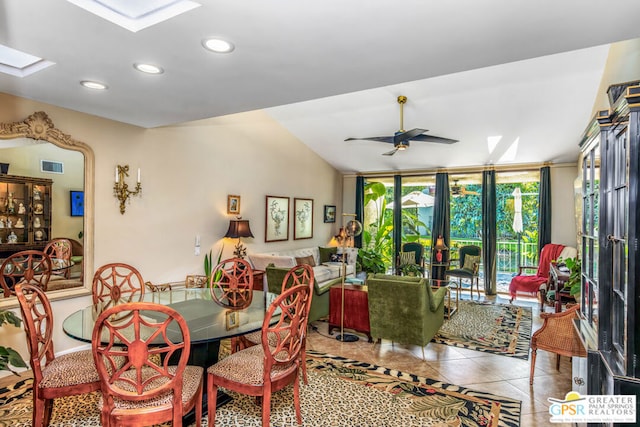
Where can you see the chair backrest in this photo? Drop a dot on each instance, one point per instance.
(30, 266)
(59, 248)
(417, 249)
(117, 283)
(299, 275)
(283, 340)
(472, 250)
(37, 318)
(132, 344)
(549, 252)
(231, 283)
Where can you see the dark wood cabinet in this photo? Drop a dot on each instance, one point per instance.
(609, 243)
(25, 213)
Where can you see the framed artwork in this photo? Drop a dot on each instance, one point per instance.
(329, 213)
(232, 319)
(276, 219)
(303, 218)
(77, 203)
(233, 204)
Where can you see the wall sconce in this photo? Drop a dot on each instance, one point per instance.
(121, 189)
(439, 247)
(239, 228)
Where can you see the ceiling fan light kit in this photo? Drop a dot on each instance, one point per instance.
(401, 138)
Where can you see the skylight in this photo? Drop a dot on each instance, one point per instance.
(20, 64)
(136, 15)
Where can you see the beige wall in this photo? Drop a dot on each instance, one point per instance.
(623, 65)
(187, 172)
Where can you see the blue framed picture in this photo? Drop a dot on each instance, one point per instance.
(77, 203)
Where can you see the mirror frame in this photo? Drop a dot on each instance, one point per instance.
(39, 126)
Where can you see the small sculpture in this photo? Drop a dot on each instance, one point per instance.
(21, 209)
(37, 194)
(11, 207)
(12, 238)
(39, 234)
(1, 223)
(9, 223)
(36, 222)
(38, 209)
(19, 223)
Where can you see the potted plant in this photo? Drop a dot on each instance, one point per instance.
(370, 261)
(8, 356)
(575, 271)
(411, 270)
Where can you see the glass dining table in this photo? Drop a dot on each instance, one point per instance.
(208, 323)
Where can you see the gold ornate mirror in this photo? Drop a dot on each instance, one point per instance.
(33, 134)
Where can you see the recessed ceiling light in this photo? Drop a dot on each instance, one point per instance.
(93, 85)
(218, 45)
(148, 68)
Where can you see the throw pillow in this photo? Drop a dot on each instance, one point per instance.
(407, 258)
(306, 260)
(325, 253)
(335, 258)
(471, 261)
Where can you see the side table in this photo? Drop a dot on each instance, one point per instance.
(356, 308)
(258, 280)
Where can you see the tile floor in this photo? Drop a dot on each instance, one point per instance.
(476, 370)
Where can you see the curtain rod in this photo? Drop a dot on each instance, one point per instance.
(468, 169)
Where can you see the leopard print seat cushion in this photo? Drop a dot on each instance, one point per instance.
(191, 380)
(70, 369)
(247, 367)
(256, 337)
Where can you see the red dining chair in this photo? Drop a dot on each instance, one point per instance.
(29, 266)
(116, 283)
(133, 347)
(298, 275)
(60, 248)
(263, 369)
(231, 283)
(66, 375)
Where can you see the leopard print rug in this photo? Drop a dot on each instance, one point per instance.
(491, 328)
(341, 392)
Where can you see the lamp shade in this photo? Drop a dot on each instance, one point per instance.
(440, 246)
(238, 228)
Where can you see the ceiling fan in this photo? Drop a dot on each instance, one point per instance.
(401, 138)
(458, 190)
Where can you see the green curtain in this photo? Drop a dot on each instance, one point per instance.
(544, 208)
(397, 217)
(489, 231)
(441, 221)
(357, 241)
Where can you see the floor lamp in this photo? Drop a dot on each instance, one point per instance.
(352, 229)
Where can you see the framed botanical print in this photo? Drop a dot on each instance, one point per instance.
(276, 219)
(233, 204)
(329, 213)
(303, 218)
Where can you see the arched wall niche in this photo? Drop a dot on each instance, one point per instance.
(38, 126)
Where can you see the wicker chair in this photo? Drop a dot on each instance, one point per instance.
(557, 335)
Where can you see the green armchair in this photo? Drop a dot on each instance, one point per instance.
(404, 309)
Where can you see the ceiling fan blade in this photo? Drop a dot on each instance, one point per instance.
(431, 138)
(387, 139)
(390, 153)
(410, 134)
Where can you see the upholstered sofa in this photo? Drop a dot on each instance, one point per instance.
(326, 272)
(404, 309)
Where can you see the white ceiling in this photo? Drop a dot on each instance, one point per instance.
(330, 69)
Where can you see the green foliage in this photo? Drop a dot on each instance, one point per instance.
(8, 356)
(575, 271)
(376, 235)
(411, 269)
(209, 266)
(370, 261)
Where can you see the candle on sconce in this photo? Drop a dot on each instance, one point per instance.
(138, 175)
(116, 174)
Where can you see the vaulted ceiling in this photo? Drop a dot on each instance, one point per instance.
(514, 82)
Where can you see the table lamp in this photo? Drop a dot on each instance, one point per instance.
(439, 247)
(239, 228)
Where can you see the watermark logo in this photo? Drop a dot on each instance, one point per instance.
(593, 409)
